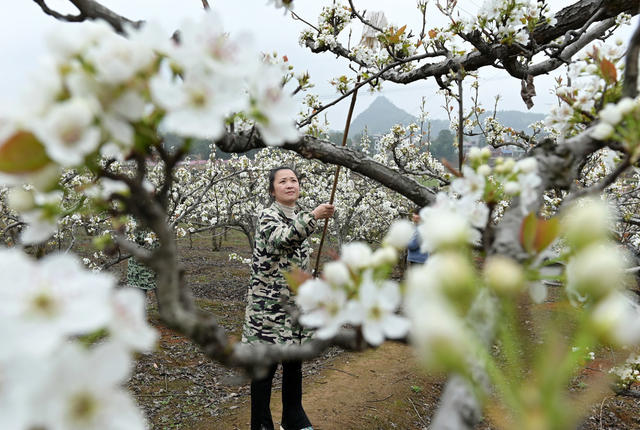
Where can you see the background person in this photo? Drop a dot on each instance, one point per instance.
(280, 244)
(414, 256)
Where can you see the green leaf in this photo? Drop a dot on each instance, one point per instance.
(536, 234)
(546, 232)
(528, 232)
(22, 153)
(609, 71)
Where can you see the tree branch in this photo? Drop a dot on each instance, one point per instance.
(91, 10)
(630, 85)
(327, 152)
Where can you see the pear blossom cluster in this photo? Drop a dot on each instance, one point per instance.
(510, 21)
(620, 121)
(585, 85)
(596, 273)
(48, 307)
(331, 21)
(628, 373)
(99, 89)
(356, 290)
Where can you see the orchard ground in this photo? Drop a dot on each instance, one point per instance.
(178, 387)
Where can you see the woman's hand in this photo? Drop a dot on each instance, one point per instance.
(323, 211)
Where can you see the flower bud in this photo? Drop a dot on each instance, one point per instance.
(616, 320)
(611, 114)
(626, 105)
(587, 221)
(484, 170)
(503, 275)
(512, 188)
(595, 272)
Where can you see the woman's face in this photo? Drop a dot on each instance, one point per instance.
(286, 189)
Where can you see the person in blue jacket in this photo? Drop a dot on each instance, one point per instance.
(414, 256)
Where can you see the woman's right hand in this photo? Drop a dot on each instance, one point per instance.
(323, 211)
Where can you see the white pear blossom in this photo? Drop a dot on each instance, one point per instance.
(528, 184)
(626, 105)
(436, 329)
(470, 185)
(475, 211)
(71, 40)
(274, 109)
(40, 226)
(375, 310)
(526, 165)
(68, 133)
(384, 255)
(399, 234)
(55, 297)
(440, 228)
(117, 59)
(356, 255)
(128, 324)
(610, 114)
(85, 391)
(337, 273)
(323, 307)
(602, 131)
(196, 106)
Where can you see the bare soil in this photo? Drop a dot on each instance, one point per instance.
(178, 387)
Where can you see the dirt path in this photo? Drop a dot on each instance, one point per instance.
(379, 389)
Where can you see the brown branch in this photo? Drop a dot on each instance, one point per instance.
(571, 18)
(630, 85)
(91, 10)
(327, 152)
(57, 15)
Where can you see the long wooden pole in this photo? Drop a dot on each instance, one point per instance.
(335, 177)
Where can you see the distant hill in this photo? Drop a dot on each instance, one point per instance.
(382, 114)
(379, 117)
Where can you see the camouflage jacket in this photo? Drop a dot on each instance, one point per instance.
(280, 244)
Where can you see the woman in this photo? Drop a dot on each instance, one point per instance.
(280, 244)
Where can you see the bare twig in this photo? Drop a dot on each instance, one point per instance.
(299, 18)
(362, 19)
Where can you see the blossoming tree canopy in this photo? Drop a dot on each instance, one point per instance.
(500, 231)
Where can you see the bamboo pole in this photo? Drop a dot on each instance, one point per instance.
(335, 177)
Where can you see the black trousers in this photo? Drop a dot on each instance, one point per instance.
(293, 415)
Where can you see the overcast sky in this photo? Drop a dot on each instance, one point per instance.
(25, 28)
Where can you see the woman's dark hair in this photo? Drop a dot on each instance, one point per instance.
(272, 176)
